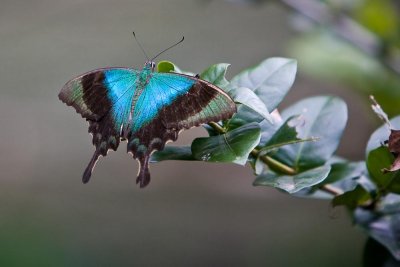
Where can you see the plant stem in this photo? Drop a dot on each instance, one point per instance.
(328, 188)
(277, 165)
(274, 163)
(217, 127)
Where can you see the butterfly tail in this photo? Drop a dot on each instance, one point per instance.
(143, 178)
(88, 172)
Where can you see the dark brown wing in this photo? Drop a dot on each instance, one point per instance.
(203, 102)
(104, 98)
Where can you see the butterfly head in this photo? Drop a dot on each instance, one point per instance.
(150, 65)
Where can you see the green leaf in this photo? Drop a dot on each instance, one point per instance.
(381, 135)
(386, 230)
(377, 160)
(270, 149)
(268, 130)
(244, 115)
(236, 121)
(390, 204)
(165, 66)
(168, 66)
(287, 133)
(353, 198)
(344, 176)
(234, 146)
(383, 224)
(368, 185)
(271, 80)
(173, 153)
(215, 74)
(258, 166)
(325, 118)
(248, 98)
(380, 17)
(349, 171)
(394, 185)
(295, 183)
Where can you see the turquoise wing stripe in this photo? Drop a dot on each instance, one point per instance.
(121, 86)
(161, 90)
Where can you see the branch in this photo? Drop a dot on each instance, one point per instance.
(279, 165)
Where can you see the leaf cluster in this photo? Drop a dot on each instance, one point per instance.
(293, 150)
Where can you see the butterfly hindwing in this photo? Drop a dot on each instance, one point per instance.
(103, 97)
(168, 104)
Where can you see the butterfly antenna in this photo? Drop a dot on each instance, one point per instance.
(183, 38)
(144, 52)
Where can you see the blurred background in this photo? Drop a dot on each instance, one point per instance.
(192, 213)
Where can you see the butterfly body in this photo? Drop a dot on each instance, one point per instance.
(144, 107)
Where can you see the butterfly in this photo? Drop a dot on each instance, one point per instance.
(144, 108)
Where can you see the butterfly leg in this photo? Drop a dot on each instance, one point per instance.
(143, 178)
(88, 171)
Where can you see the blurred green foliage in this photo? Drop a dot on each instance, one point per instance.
(356, 43)
(381, 17)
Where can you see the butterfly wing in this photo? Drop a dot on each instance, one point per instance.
(169, 103)
(104, 98)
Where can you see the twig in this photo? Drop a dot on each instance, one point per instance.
(277, 164)
(274, 163)
(328, 188)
